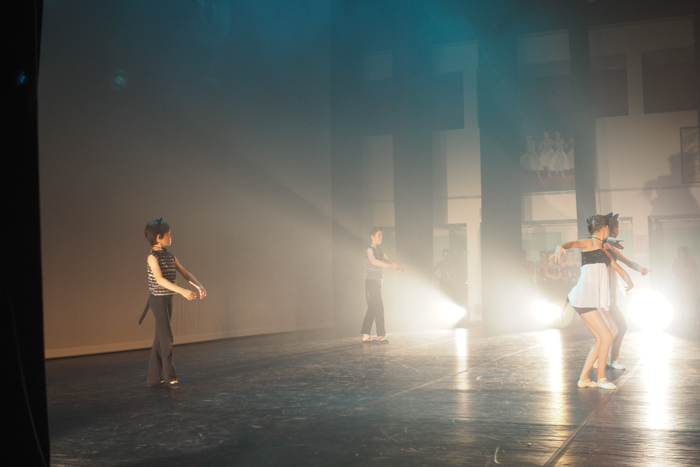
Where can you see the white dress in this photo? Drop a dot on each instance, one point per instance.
(546, 153)
(531, 160)
(593, 287)
(559, 159)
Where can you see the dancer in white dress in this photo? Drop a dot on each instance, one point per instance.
(617, 321)
(592, 292)
(569, 148)
(559, 161)
(546, 152)
(531, 160)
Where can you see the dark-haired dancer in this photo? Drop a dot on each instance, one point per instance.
(618, 323)
(162, 266)
(592, 292)
(375, 260)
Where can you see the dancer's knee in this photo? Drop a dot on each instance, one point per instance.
(622, 328)
(606, 338)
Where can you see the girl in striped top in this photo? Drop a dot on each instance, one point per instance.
(161, 267)
(375, 260)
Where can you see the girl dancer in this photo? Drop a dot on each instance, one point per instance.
(375, 260)
(592, 292)
(161, 267)
(618, 324)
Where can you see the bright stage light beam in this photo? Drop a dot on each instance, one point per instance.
(648, 309)
(545, 312)
(449, 313)
(551, 314)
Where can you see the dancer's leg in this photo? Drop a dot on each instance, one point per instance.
(603, 338)
(375, 309)
(161, 360)
(614, 329)
(592, 354)
(621, 322)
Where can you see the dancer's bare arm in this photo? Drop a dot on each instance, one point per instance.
(626, 277)
(623, 259)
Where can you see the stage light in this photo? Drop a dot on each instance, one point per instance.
(550, 314)
(648, 309)
(545, 312)
(449, 313)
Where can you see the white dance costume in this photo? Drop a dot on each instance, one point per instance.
(559, 159)
(593, 287)
(531, 160)
(546, 153)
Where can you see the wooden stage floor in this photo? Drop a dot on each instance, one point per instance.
(456, 397)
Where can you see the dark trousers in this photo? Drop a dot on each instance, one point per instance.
(375, 308)
(160, 365)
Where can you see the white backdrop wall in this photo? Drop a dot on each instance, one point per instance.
(212, 115)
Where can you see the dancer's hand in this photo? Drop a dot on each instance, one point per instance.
(202, 292)
(188, 294)
(558, 254)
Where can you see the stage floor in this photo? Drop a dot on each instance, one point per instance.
(456, 397)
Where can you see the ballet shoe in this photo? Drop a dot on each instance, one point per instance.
(616, 365)
(603, 383)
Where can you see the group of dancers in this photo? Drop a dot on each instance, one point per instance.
(596, 295)
(549, 156)
(593, 297)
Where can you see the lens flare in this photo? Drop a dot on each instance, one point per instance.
(648, 309)
(119, 80)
